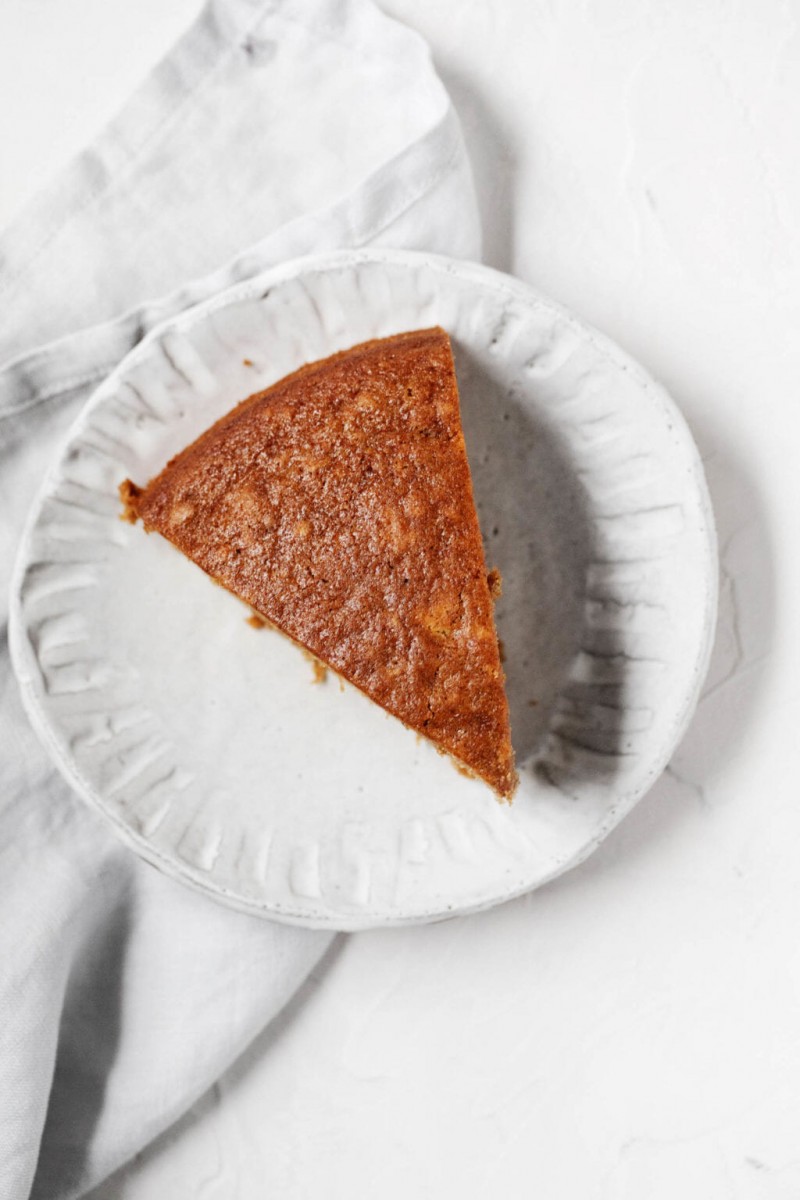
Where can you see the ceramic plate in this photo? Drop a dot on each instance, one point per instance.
(207, 744)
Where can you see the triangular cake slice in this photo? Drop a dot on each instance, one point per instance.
(338, 504)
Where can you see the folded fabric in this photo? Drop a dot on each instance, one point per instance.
(274, 128)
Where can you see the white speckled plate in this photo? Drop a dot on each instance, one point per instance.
(205, 743)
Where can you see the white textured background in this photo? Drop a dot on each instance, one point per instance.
(633, 1031)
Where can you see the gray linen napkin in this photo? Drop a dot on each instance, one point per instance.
(274, 128)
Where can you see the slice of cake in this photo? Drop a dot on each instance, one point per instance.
(338, 504)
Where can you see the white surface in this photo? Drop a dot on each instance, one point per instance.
(591, 495)
(630, 1031)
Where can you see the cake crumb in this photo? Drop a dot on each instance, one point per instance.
(129, 493)
(495, 582)
(246, 362)
(533, 704)
(319, 668)
(255, 621)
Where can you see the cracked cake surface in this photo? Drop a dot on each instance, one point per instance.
(338, 504)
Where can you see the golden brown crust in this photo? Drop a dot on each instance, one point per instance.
(338, 503)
